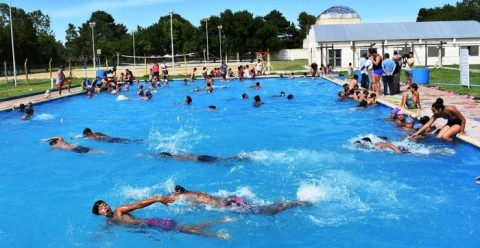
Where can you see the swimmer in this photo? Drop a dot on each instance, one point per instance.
(257, 101)
(244, 96)
(87, 133)
(188, 100)
(366, 143)
(477, 180)
(393, 114)
(148, 95)
(237, 204)
(198, 158)
(28, 108)
(256, 86)
(60, 143)
(290, 97)
(282, 94)
(122, 216)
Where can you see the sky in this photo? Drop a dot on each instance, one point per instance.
(143, 13)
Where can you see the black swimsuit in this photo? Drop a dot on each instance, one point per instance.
(81, 149)
(453, 121)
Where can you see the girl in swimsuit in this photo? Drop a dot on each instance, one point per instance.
(455, 125)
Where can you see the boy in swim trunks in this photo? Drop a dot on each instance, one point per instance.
(58, 142)
(413, 101)
(122, 216)
(61, 80)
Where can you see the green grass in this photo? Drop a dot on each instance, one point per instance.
(447, 79)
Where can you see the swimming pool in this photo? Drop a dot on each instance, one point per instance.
(298, 149)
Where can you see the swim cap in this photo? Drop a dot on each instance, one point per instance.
(417, 126)
(395, 111)
(400, 112)
(409, 120)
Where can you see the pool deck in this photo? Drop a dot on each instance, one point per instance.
(470, 108)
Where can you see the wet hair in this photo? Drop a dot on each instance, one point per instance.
(438, 105)
(363, 103)
(424, 120)
(180, 189)
(96, 205)
(244, 96)
(363, 142)
(53, 142)
(373, 95)
(165, 154)
(87, 131)
(189, 99)
(257, 98)
(355, 76)
(290, 97)
(22, 106)
(257, 84)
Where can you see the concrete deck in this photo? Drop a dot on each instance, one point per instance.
(468, 107)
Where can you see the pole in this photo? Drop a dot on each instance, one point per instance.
(92, 25)
(13, 47)
(26, 71)
(220, 37)
(118, 59)
(171, 39)
(5, 66)
(145, 61)
(206, 30)
(134, 60)
(70, 67)
(50, 69)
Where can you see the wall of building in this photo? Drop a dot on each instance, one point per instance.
(349, 55)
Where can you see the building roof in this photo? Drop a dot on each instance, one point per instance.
(396, 31)
(336, 12)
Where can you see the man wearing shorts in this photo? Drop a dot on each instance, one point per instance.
(61, 80)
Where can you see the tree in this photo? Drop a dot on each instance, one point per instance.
(305, 21)
(465, 10)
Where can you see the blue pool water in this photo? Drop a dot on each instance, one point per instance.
(299, 149)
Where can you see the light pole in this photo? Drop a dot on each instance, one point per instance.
(92, 25)
(171, 39)
(220, 37)
(134, 60)
(206, 30)
(13, 47)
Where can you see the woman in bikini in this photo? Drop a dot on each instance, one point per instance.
(455, 124)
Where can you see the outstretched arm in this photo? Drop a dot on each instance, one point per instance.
(125, 209)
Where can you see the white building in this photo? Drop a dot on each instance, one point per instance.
(339, 38)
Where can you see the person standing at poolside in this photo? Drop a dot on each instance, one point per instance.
(122, 216)
(377, 70)
(61, 80)
(223, 70)
(155, 70)
(192, 75)
(363, 70)
(409, 64)
(388, 67)
(396, 74)
(314, 69)
(164, 68)
(455, 124)
(259, 67)
(413, 101)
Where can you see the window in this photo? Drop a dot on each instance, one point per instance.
(433, 51)
(473, 50)
(402, 51)
(335, 57)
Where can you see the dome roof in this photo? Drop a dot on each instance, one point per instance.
(337, 12)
